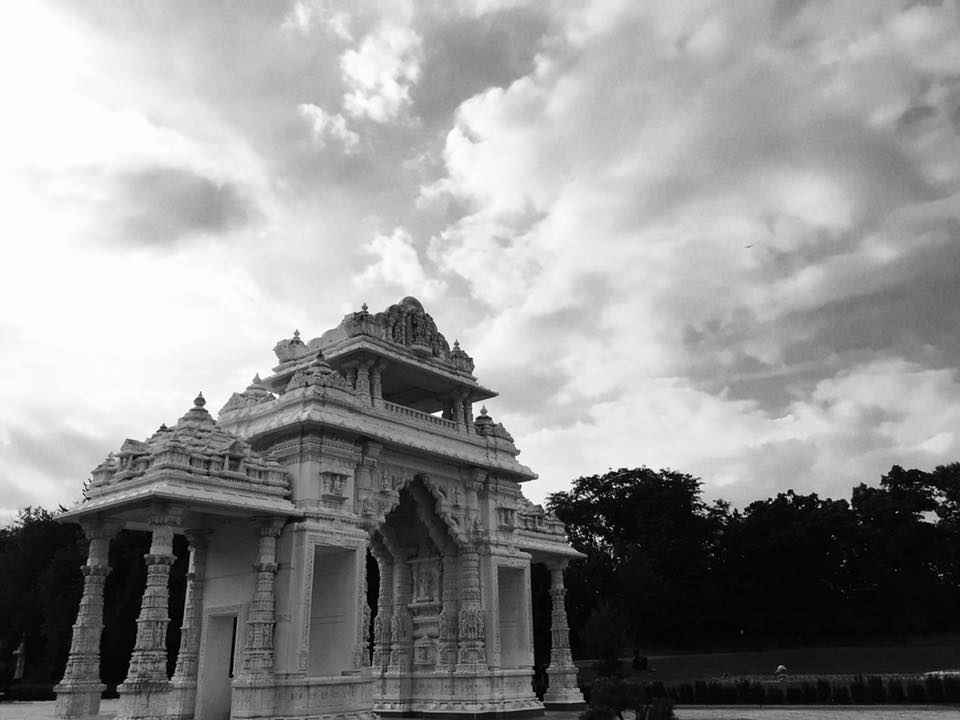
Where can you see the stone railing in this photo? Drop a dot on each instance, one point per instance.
(418, 416)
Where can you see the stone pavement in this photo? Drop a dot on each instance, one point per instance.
(108, 708)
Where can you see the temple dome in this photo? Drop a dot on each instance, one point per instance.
(196, 450)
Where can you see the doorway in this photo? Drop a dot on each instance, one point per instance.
(218, 662)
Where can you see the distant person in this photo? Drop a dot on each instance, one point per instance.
(781, 670)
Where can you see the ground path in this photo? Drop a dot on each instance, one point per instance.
(108, 708)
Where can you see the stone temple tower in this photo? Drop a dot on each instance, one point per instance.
(361, 440)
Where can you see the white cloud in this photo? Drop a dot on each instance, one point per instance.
(689, 235)
(396, 263)
(380, 72)
(326, 126)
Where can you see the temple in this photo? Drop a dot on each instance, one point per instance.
(361, 440)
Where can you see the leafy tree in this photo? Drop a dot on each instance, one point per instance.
(650, 541)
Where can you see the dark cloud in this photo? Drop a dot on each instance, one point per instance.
(465, 55)
(164, 205)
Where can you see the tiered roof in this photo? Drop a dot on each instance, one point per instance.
(195, 461)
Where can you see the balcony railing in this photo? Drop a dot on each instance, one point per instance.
(418, 416)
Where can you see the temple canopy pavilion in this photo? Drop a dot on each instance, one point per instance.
(363, 439)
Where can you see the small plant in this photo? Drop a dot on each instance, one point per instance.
(700, 692)
(895, 691)
(823, 693)
(858, 691)
(840, 695)
(685, 694)
(773, 695)
(875, 692)
(916, 693)
(934, 687)
(951, 688)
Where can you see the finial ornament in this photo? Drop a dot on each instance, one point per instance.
(483, 410)
(296, 334)
(199, 400)
(456, 343)
(257, 380)
(363, 308)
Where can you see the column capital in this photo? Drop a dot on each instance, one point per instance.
(557, 564)
(198, 539)
(100, 529)
(267, 526)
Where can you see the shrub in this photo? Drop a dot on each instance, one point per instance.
(685, 694)
(823, 692)
(808, 692)
(656, 689)
(742, 687)
(916, 693)
(934, 688)
(840, 695)
(773, 695)
(951, 688)
(875, 692)
(592, 713)
(895, 691)
(858, 691)
(700, 692)
(660, 708)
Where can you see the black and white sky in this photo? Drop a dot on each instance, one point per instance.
(720, 237)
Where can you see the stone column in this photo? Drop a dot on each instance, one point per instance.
(257, 657)
(363, 380)
(144, 693)
(468, 414)
(376, 383)
(562, 673)
(401, 624)
(184, 681)
(381, 624)
(78, 694)
(458, 411)
(449, 617)
(472, 630)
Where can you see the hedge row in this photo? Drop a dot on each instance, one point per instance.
(872, 690)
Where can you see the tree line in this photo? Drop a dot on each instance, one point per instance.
(662, 567)
(674, 570)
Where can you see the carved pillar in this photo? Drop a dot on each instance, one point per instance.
(145, 691)
(449, 617)
(361, 654)
(381, 624)
(468, 414)
(350, 373)
(78, 694)
(184, 680)
(562, 673)
(458, 411)
(472, 630)
(376, 383)
(257, 658)
(363, 380)
(401, 624)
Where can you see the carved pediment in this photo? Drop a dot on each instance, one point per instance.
(406, 323)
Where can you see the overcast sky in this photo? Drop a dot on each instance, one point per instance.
(720, 237)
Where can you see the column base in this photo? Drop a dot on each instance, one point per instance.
(183, 699)
(562, 690)
(564, 699)
(144, 700)
(78, 698)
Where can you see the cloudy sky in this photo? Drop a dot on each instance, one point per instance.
(720, 237)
